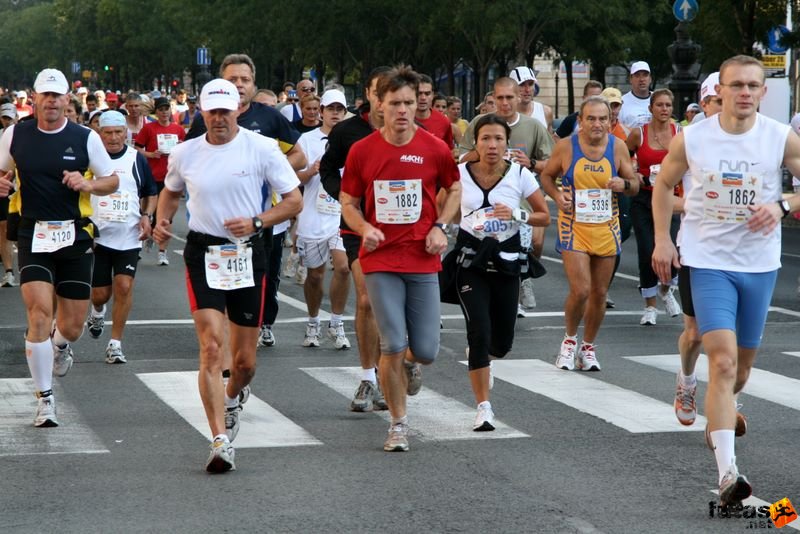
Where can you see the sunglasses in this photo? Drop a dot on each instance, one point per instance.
(308, 89)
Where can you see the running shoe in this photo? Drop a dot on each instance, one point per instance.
(95, 325)
(649, 316)
(232, 421)
(566, 355)
(221, 457)
(414, 376)
(290, 267)
(484, 421)
(244, 395)
(685, 405)
(520, 311)
(46, 412)
(586, 359)
(301, 275)
(670, 302)
(8, 280)
(610, 304)
(336, 333)
(312, 335)
(62, 359)
(149, 244)
(162, 258)
(378, 402)
(114, 355)
(526, 295)
(364, 397)
(741, 423)
(734, 487)
(265, 337)
(397, 440)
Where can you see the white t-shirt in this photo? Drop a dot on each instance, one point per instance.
(228, 181)
(708, 243)
(311, 223)
(517, 185)
(291, 112)
(634, 110)
(119, 234)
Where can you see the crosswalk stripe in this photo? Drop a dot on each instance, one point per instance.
(18, 436)
(261, 425)
(432, 417)
(621, 407)
(757, 503)
(795, 354)
(762, 384)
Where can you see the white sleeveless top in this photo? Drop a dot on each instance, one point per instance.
(108, 211)
(711, 244)
(538, 113)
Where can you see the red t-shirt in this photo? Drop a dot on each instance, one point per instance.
(438, 125)
(148, 138)
(424, 158)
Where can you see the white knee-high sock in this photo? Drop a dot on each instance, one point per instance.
(40, 363)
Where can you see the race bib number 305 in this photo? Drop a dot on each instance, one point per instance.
(49, 236)
(398, 201)
(593, 205)
(484, 224)
(229, 266)
(727, 195)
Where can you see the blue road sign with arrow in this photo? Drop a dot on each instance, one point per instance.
(774, 39)
(685, 10)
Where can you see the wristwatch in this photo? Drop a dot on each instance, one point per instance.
(258, 223)
(785, 207)
(440, 226)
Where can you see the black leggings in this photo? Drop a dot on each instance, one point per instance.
(642, 218)
(489, 303)
(274, 256)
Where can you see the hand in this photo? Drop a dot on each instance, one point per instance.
(664, 257)
(162, 232)
(435, 241)
(239, 227)
(372, 238)
(75, 181)
(154, 155)
(616, 184)
(564, 201)
(315, 167)
(503, 212)
(145, 230)
(519, 157)
(764, 217)
(7, 184)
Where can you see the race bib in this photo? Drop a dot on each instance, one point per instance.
(49, 236)
(654, 170)
(398, 201)
(484, 224)
(166, 142)
(326, 204)
(593, 205)
(114, 207)
(229, 266)
(726, 195)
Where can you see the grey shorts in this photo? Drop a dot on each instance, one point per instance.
(406, 308)
(315, 252)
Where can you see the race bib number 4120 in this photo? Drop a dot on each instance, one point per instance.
(49, 236)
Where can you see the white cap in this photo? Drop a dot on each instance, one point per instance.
(21, 94)
(522, 74)
(112, 118)
(693, 107)
(639, 65)
(82, 91)
(708, 88)
(219, 94)
(8, 110)
(333, 96)
(796, 123)
(95, 112)
(51, 81)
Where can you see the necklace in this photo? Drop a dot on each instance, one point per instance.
(658, 140)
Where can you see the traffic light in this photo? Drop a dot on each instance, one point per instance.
(105, 67)
(174, 84)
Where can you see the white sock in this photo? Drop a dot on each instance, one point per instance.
(59, 340)
(40, 363)
(485, 404)
(369, 375)
(723, 441)
(313, 320)
(114, 344)
(688, 381)
(231, 403)
(336, 319)
(223, 437)
(99, 313)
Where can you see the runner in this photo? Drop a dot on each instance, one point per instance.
(593, 164)
(224, 173)
(730, 239)
(50, 155)
(396, 171)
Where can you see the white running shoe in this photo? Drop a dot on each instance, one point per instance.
(312, 335)
(484, 421)
(670, 302)
(520, 311)
(290, 267)
(397, 439)
(232, 421)
(8, 280)
(62, 360)
(685, 405)
(265, 337)
(222, 456)
(586, 359)
(162, 258)
(114, 355)
(734, 487)
(526, 295)
(566, 355)
(46, 412)
(649, 316)
(336, 333)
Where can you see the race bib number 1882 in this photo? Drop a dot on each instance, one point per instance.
(398, 201)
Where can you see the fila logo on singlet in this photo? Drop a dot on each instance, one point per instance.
(411, 158)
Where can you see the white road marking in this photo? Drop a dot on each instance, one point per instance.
(621, 407)
(431, 416)
(260, 424)
(618, 274)
(18, 436)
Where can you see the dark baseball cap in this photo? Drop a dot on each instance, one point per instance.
(162, 102)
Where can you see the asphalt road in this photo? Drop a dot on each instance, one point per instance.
(597, 452)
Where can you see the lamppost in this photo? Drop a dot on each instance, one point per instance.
(683, 53)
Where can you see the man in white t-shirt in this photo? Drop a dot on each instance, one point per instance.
(526, 79)
(318, 236)
(225, 173)
(730, 239)
(636, 102)
(292, 111)
(709, 100)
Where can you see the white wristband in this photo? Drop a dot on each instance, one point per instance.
(521, 216)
